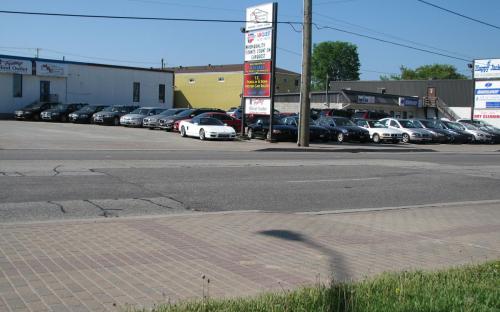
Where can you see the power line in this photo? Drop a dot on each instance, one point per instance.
(206, 20)
(391, 36)
(459, 14)
(319, 27)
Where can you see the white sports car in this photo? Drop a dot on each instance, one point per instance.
(206, 128)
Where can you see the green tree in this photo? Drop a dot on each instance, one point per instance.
(426, 72)
(337, 59)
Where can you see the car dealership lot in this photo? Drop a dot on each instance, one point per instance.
(60, 171)
(96, 218)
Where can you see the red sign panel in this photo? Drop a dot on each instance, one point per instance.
(259, 67)
(257, 85)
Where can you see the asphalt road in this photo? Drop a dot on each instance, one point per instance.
(59, 182)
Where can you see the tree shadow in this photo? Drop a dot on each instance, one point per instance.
(337, 266)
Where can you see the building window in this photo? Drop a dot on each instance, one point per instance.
(137, 92)
(220, 79)
(161, 93)
(296, 82)
(18, 86)
(44, 91)
(191, 80)
(285, 80)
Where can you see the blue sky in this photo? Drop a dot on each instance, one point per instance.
(145, 43)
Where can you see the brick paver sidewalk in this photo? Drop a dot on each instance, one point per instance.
(100, 265)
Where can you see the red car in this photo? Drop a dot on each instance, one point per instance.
(225, 118)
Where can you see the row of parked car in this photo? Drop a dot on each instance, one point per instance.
(210, 123)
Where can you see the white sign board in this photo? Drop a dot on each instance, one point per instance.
(366, 99)
(259, 17)
(51, 69)
(485, 69)
(258, 45)
(14, 66)
(408, 101)
(260, 106)
(487, 94)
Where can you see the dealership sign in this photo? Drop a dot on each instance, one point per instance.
(51, 69)
(257, 67)
(487, 94)
(259, 17)
(408, 101)
(257, 85)
(366, 99)
(485, 69)
(260, 106)
(258, 45)
(14, 66)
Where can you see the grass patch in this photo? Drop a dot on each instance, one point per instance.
(466, 288)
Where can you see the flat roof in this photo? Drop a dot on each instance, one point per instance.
(219, 69)
(151, 69)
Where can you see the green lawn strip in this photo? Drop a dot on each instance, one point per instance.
(466, 288)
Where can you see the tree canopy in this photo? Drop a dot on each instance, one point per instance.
(337, 59)
(426, 72)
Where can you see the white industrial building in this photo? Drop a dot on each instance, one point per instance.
(24, 80)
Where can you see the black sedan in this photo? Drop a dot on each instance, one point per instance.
(112, 114)
(460, 137)
(32, 111)
(61, 112)
(281, 132)
(343, 129)
(84, 115)
(450, 135)
(316, 132)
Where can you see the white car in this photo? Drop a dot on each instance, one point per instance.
(380, 132)
(412, 131)
(206, 128)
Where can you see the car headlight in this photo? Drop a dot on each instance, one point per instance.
(344, 131)
(276, 131)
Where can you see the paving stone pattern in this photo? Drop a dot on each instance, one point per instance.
(104, 265)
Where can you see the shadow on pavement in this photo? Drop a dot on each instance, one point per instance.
(337, 266)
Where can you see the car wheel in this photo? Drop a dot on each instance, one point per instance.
(340, 137)
(202, 135)
(116, 122)
(64, 118)
(250, 134)
(376, 138)
(406, 138)
(183, 132)
(151, 128)
(36, 117)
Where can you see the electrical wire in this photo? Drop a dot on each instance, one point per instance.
(319, 27)
(458, 14)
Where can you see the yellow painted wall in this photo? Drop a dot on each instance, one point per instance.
(219, 90)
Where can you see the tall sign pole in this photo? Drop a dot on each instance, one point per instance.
(273, 68)
(260, 61)
(305, 84)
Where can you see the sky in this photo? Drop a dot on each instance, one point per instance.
(145, 43)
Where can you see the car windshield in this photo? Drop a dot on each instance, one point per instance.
(88, 109)
(210, 122)
(376, 124)
(35, 105)
(410, 124)
(469, 126)
(455, 126)
(185, 113)
(60, 106)
(432, 124)
(141, 111)
(343, 122)
(170, 112)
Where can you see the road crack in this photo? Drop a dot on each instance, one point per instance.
(106, 212)
(58, 205)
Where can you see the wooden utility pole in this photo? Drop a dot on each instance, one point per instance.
(305, 83)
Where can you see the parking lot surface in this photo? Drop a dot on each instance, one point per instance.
(92, 216)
